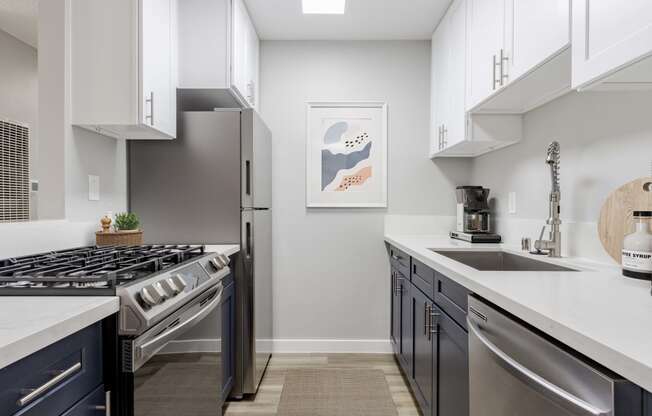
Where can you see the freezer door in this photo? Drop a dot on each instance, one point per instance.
(188, 190)
(256, 161)
(256, 296)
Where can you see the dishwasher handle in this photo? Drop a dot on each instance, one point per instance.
(533, 380)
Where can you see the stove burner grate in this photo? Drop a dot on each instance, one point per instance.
(90, 269)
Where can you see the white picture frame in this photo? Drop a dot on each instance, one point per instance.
(346, 154)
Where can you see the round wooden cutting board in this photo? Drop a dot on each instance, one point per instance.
(616, 214)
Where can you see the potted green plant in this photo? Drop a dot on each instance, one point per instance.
(125, 232)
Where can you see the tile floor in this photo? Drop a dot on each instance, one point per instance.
(269, 394)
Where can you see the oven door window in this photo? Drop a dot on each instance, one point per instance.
(179, 384)
(179, 363)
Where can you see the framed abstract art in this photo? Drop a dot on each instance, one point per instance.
(346, 155)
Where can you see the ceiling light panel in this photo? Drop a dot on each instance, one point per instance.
(324, 6)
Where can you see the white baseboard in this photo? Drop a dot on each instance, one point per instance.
(362, 346)
(288, 346)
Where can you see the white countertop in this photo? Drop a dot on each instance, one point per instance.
(595, 311)
(28, 324)
(227, 249)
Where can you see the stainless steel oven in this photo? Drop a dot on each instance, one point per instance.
(514, 370)
(168, 371)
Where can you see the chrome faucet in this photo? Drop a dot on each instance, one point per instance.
(552, 246)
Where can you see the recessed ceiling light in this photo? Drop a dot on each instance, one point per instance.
(324, 6)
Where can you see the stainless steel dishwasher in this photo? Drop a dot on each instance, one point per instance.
(517, 372)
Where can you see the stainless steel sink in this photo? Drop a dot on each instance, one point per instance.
(501, 261)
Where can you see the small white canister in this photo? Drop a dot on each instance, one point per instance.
(637, 248)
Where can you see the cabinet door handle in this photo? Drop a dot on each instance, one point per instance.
(439, 137)
(444, 133)
(495, 64)
(503, 72)
(426, 325)
(434, 326)
(107, 404)
(150, 101)
(251, 93)
(41, 390)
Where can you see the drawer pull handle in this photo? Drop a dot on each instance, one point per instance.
(39, 391)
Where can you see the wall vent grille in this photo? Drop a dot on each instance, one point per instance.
(14, 172)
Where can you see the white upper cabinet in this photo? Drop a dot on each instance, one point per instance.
(454, 132)
(439, 93)
(610, 35)
(123, 67)
(219, 49)
(519, 54)
(486, 48)
(535, 31)
(158, 66)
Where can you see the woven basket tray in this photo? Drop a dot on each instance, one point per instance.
(119, 238)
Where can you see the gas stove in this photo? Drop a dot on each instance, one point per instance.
(88, 271)
(151, 281)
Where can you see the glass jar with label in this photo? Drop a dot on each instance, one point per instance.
(637, 248)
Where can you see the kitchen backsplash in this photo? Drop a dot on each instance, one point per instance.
(19, 239)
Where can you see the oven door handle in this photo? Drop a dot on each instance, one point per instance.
(535, 381)
(151, 347)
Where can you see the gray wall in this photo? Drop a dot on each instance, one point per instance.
(606, 140)
(330, 270)
(19, 88)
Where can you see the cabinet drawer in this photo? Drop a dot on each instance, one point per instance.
(92, 405)
(423, 277)
(400, 261)
(51, 380)
(452, 298)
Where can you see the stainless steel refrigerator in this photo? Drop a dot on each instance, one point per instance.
(213, 185)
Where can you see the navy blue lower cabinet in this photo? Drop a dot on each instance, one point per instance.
(92, 405)
(395, 308)
(424, 381)
(406, 342)
(648, 404)
(453, 368)
(228, 339)
(50, 381)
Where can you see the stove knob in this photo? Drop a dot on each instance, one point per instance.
(161, 292)
(170, 287)
(179, 282)
(225, 259)
(149, 296)
(216, 263)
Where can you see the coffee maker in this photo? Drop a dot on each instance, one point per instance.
(473, 216)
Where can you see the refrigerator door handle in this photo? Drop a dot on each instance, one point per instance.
(248, 239)
(248, 177)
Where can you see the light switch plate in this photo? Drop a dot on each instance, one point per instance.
(511, 204)
(93, 188)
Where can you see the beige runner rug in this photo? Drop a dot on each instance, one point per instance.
(336, 392)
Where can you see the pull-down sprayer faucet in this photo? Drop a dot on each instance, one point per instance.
(552, 247)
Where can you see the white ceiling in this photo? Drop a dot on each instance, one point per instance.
(363, 20)
(283, 19)
(19, 18)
